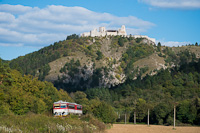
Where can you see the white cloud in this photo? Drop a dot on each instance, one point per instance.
(176, 4)
(16, 9)
(172, 43)
(11, 44)
(6, 17)
(32, 26)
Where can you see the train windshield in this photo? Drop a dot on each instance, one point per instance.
(56, 106)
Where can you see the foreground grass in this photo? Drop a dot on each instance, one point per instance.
(34, 123)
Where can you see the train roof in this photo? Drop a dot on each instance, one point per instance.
(61, 101)
(65, 102)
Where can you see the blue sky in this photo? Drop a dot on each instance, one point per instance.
(27, 26)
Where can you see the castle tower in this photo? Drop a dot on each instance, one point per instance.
(123, 28)
(94, 33)
(102, 31)
(122, 31)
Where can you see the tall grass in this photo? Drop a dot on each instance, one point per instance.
(37, 123)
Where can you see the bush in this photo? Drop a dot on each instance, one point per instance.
(121, 42)
(170, 121)
(99, 55)
(92, 120)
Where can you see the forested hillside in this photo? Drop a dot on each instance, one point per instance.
(131, 75)
(21, 94)
(78, 63)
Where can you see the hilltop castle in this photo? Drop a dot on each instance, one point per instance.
(103, 32)
(120, 32)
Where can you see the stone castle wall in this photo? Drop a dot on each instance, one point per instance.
(103, 32)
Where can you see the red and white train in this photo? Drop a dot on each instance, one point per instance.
(62, 108)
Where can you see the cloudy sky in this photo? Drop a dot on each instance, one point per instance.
(28, 25)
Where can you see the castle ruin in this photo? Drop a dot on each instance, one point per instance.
(120, 32)
(103, 32)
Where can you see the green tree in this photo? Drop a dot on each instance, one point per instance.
(105, 112)
(79, 96)
(121, 41)
(73, 36)
(21, 94)
(197, 104)
(141, 109)
(186, 112)
(159, 46)
(161, 111)
(99, 55)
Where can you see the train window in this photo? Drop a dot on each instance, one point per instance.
(56, 106)
(79, 107)
(63, 106)
(70, 106)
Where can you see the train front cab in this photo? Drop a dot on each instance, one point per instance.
(60, 109)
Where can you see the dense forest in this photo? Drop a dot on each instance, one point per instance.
(159, 93)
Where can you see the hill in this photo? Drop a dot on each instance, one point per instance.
(127, 73)
(86, 62)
